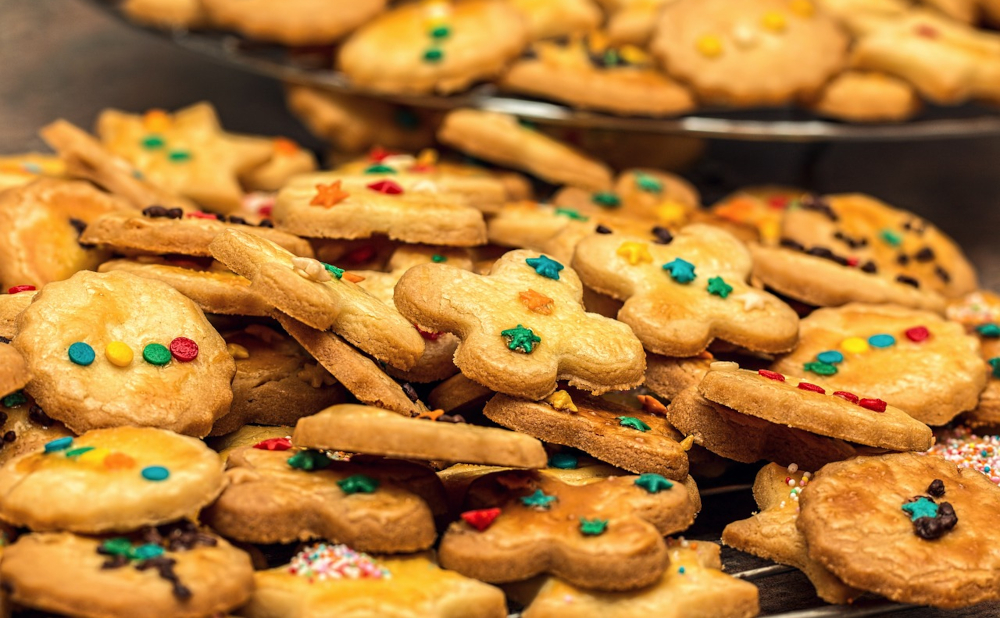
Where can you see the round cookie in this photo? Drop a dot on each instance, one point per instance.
(188, 574)
(110, 480)
(25, 427)
(906, 546)
(293, 22)
(114, 349)
(979, 312)
(426, 47)
(860, 96)
(755, 52)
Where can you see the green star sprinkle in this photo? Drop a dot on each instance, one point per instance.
(680, 270)
(538, 500)
(719, 287)
(647, 183)
(653, 483)
(991, 330)
(572, 214)
(333, 270)
(921, 507)
(593, 527)
(433, 54)
(378, 168)
(545, 266)
(520, 339)
(632, 423)
(309, 460)
(820, 368)
(564, 461)
(437, 258)
(358, 484)
(891, 238)
(606, 199)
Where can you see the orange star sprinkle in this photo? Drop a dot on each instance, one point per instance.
(652, 405)
(352, 277)
(537, 302)
(156, 121)
(329, 195)
(432, 414)
(285, 146)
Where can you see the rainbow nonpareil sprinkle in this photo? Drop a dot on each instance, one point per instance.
(968, 450)
(323, 561)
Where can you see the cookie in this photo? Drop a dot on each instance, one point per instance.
(547, 19)
(692, 584)
(14, 373)
(320, 295)
(684, 291)
(633, 440)
(668, 377)
(186, 152)
(588, 72)
(856, 418)
(41, 224)
(296, 23)
(21, 169)
(324, 576)
(771, 534)
(651, 195)
(158, 230)
(25, 427)
(247, 435)
(907, 547)
(633, 21)
(354, 124)
(436, 47)
(276, 383)
(749, 439)
(762, 207)
(110, 480)
(946, 61)
(168, 14)
(979, 313)
(360, 375)
(277, 494)
(86, 158)
(429, 437)
(862, 16)
(842, 248)
(861, 96)
(213, 287)
(915, 360)
(500, 139)
(523, 326)
(161, 363)
(605, 533)
(323, 206)
(175, 570)
(764, 52)
(288, 159)
(458, 395)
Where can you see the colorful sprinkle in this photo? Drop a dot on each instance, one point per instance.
(323, 561)
(387, 187)
(830, 357)
(329, 195)
(607, 199)
(76, 452)
(309, 460)
(875, 405)
(184, 349)
(536, 301)
(561, 400)
(647, 183)
(571, 214)
(891, 238)
(81, 354)
(274, 444)
(820, 368)
(968, 450)
(634, 252)
(481, 519)
(118, 461)
(719, 287)
(14, 399)
(59, 444)
(155, 473)
(17, 289)
(434, 54)
(709, 46)
(854, 345)
(520, 339)
(118, 354)
(545, 266)
(564, 461)
(806, 386)
(538, 500)
(846, 395)
(680, 270)
(358, 484)
(147, 552)
(881, 340)
(774, 21)
(333, 270)
(771, 375)
(633, 423)
(653, 483)
(990, 330)
(593, 527)
(156, 354)
(917, 334)
(152, 142)
(437, 258)
(440, 32)
(995, 364)
(921, 507)
(379, 168)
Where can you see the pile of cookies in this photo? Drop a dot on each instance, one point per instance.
(856, 60)
(234, 384)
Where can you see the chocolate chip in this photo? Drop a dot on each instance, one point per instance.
(113, 562)
(154, 212)
(7, 587)
(265, 223)
(663, 235)
(936, 488)
(924, 255)
(853, 243)
(908, 281)
(10, 436)
(3, 418)
(902, 259)
(788, 243)
(869, 267)
(930, 528)
(942, 274)
(410, 392)
(39, 417)
(78, 225)
(600, 229)
(826, 254)
(175, 213)
(451, 418)
(915, 225)
(812, 202)
(237, 220)
(4, 340)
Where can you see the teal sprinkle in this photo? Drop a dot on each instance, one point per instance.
(153, 142)
(891, 238)
(680, 270)
(437, 258)
(633, 423)
(378, 168)
(991, 330)
(179, 156)
(830, 357)
(155, 473)
(564, 461)
(607, 199)
(995, 364)
(539, 499)
(653, 483)
(434, 54)
(545, 266)
(14, 399)
(647, 183)
(921, 507)
(881, 341)
(59, 444)
(147, 552)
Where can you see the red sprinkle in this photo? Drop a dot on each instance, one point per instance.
(845, 395)
(21, 288)
(388, 187)
(806, 386)
(183, 349)
(421, 168)
(771, 375)
(927, 31)
(917, 333)
(274, 444)
(202, 215)
(876, 405)
(852, 261)
(361, 254)
(378, 154)
(481, 519)
(428, 335)
(265, 211)
(779, 202)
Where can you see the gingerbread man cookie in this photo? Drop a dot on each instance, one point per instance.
(295, 23)
(915, 360)
(110, 480)
(321, 295)
(683, 293)
(435, 47)
(523, 326)
(659, 197)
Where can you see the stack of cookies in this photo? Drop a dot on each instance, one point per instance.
(236, 384)
(854, 60)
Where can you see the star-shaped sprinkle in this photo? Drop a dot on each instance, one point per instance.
(751, 300)
(481, 519)
(633, 423)
(653, 483)
(990, 330)
(520, 339)
(358, 484)
(635, 252)
(921, 507)
(561, 400)
(593, 527)
(995, 364)
(389, 187)
(719, 287)
(538, 500)
(329, 195)
(309, 460)
(545, 266)
(680, 270)
(536, 301)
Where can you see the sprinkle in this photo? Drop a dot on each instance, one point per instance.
(830, 357)
(634, 252)
(329, 195)
(854, 345)
(921, 507)
(709, 46)
(81, 354)
(14, 400)
(920, 333)
(156, 354)
(118, 354)
(995, 364)
(538, 500)
(881, 340)
(633, 423)
(647, 183)
(309, 460)
(76, 452)
(536, 301)
(774, 21)
(652, 405)
(564, 461)
(155, 473)
(653, 483)
(323, 561)
(680, 270)
(607, 199)
(891, 238)
(434, 54)
(820, 368)
(147, 552)
(274, 444)
(358, 484)
(545, 266)
(876, 405)
(671, 212)
(771, 375)
(59, 444)
(593, 527)
(184, 349)
(387, 187)
(969, 450)
(333, 270)
(118, 461)
(17, 289)
(520, 339)
(481, 519)
(379, 168)
(680, 570)
(152, 142)
(990, 330)
(437, 258)
(846, 395)
(719, 287)
(561, 400)
(431, 415)
(572, 214)
(440, 32)
(285, 146)
(806, 386)
(179, 156)
(156, 120)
